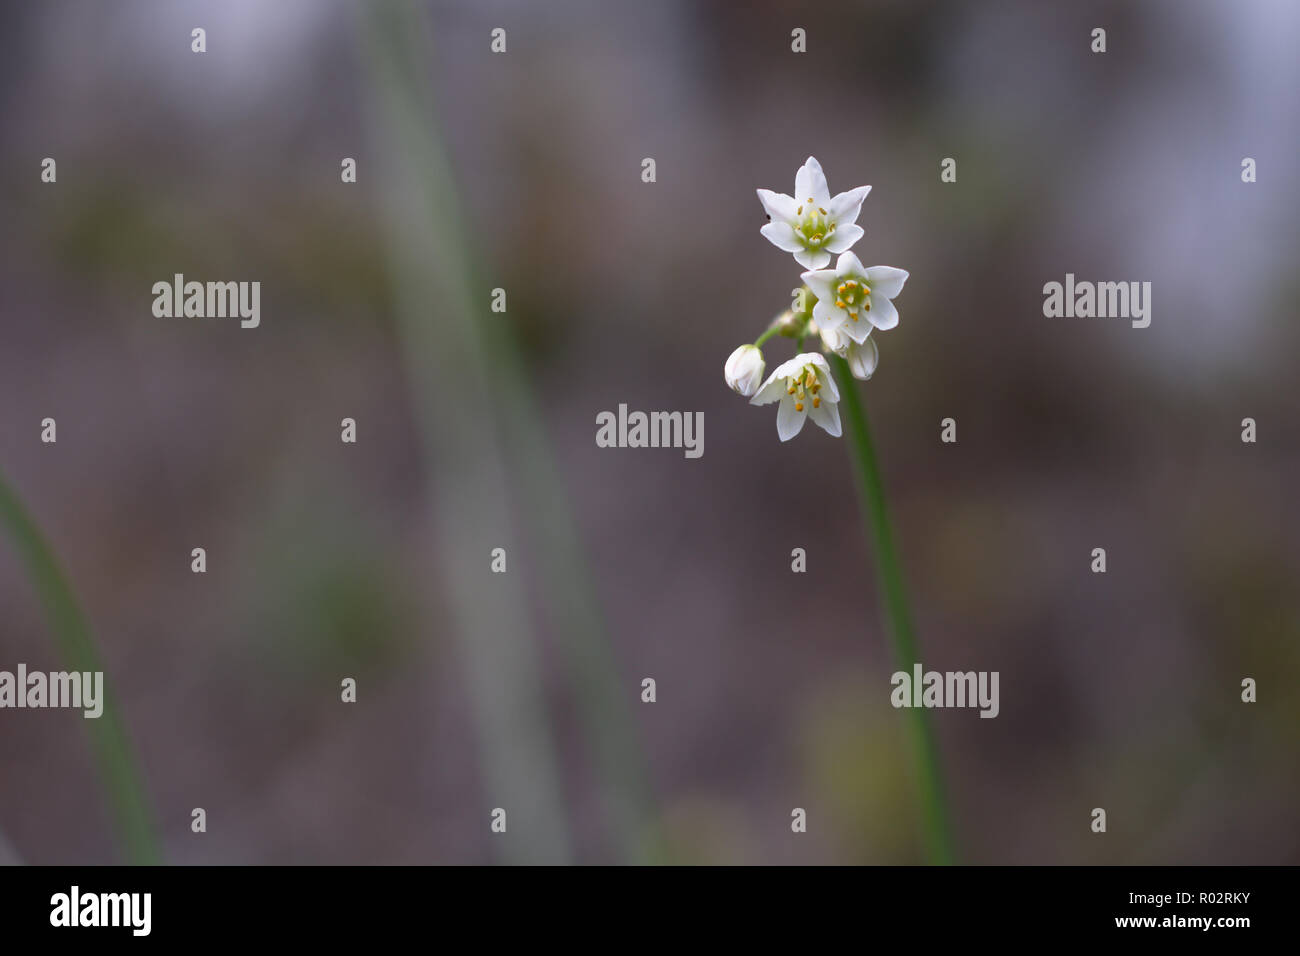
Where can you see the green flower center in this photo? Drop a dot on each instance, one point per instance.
(853, 295)
(814, 225)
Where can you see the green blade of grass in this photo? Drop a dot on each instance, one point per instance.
(78, 652)
(463, 354)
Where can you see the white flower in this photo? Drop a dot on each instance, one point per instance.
(804, 387)
(862, 357)
(812, 224)
(855, 298)
(744, 369)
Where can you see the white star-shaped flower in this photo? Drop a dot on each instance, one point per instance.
(854, 298)
(812, 224)
(805, 388)
(863, 357)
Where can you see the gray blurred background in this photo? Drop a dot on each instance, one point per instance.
(476, 430)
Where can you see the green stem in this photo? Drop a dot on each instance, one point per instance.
(771, 331)
(875, 518)
(78, 652)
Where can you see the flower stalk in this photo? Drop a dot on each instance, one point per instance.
(898, 618)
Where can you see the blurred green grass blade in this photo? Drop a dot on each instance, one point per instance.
(462, 454)
(78, 652)
(453, 345)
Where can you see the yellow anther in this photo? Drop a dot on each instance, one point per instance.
(810, 200)
(839, 303)
(817, 402)
(798, 406)
(816, 236)
(817, 388)
(799, 211)
(821, 210)
(790, 390)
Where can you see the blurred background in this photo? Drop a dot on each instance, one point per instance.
(475, 430)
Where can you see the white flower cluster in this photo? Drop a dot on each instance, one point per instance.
(841, 304)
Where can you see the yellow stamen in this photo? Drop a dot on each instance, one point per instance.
(821, 210)
(817, 402)
(839, 303)
(799, 211)
(798, 406)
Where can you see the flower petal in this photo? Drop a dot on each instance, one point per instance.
(789, 422)
(791, 366)
(770, 390)
(886, 280)
(834, 339)
(827, 317)
(778, 205)
(859, 330)
(820, 282)
(845, 207)
(810, 183)
(849, 265)
(827, 381)
(815, 359)
(813, 259)
(781, 235)
(863, 359)
(883, 315)
(827, 415)
(843, 237)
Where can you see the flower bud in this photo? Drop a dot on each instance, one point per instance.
(744, 370)
(862, 359)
